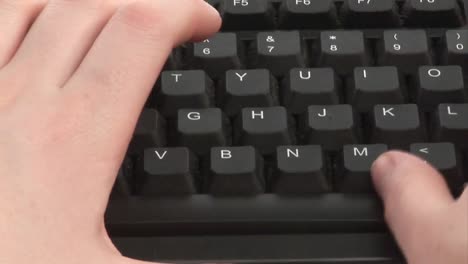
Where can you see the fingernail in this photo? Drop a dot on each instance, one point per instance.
(382, 169)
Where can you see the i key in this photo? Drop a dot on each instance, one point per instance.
(405, 49)
(433, 13)
(217, 54)
(300, 170)
(313, 86)
(371, 13)
(264, 128)
(355, 173)
(443, 157)
(184, 89)
(236, 171)
(451, 124)
(168, 172)
(343, 51)
(249, 88)
(247, 15)
(456, 50)
(149, 132)
(279, 51)
(330, 126)
(308, 14)
(375, 85)
(200, 130)
(397, 125)
(442, 84)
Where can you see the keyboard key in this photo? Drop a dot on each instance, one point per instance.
(443, 84)
(149, 132)
(168, 172)
(307, 14)
(202, 129)
(184, 89)
(433, 13)
(375, 85)
(299, 170)
(451, 124)
(443, 157)
(249, 88)
(330, 126)
(236, 171)
(456, 48)
(370, 13)
(397, 125)
(247, 14)
(315, 86)
(405, 49)
(356, 167)
(279, 51)
(217, 54)
(264, 128)
(343, 50)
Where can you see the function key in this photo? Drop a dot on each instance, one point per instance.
(343, 50)
(249, 88)
(247, 15)
(441, 84)
(217, 54)
(433, 13)
(302, 14)
(456, 50)
(375, 85)
(405, 49)
(314, 86)
(279, 51)
(443, 157)
(451, 124)
(371, 13)
(355, 169)
(149, 132)
(168, 171)
(299, 170)
(184, 89)
(200, 130)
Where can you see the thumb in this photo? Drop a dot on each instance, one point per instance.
(414, 194)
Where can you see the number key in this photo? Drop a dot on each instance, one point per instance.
(456, 50)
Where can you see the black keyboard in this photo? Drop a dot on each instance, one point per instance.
(256, 144)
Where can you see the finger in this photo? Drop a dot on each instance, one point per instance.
(61, 36)
(120, 70)
(414, 195)
(15, 20)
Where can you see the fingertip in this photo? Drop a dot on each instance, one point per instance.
(210, 22)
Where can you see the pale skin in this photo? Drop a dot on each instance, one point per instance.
(74, 75)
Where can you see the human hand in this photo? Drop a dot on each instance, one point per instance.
(429, 225)
(72, 88)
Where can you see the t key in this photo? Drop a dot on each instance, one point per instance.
(371, 13)
(433, 13)
(247, 15)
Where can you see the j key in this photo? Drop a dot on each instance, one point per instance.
(375, 85)
(371, 13)
(279, 51)
(199, 130)
(330, 126)
(397, 125)
(236, 171)
(443, 157)
(184, 89)
(355, 171)
(343, 50)
(168, 171)
(249, 88)
(216, 55)
(303, 14)
(149, 132)
(438, 85)
(299, 170)
(247, 14)
(405, 49)
(314, 86)
(451, 124)
(456, 50)
(264, 128)
(433, 13)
